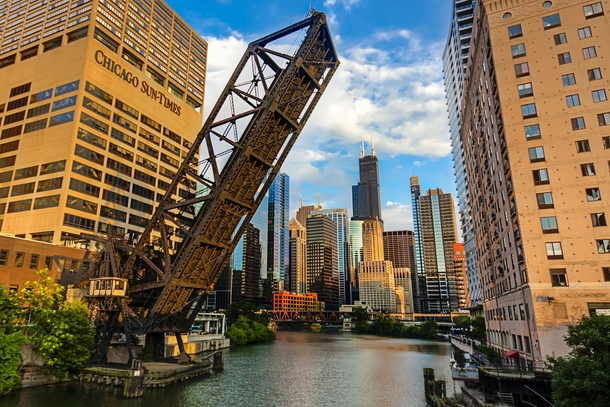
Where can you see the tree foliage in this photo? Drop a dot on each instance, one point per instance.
(462, 322)
(384, 325)
(460, 358)
(249, 310)
(60, 332)
(581, 378)
(478, 328)
(245, 330)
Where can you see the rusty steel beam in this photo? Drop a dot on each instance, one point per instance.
(243, 143)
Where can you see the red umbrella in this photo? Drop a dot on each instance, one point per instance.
(512, 354)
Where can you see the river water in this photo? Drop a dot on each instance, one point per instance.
(327, 368)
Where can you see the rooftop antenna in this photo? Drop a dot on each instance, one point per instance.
(301, 201)
(362, 147)
(319, 204)
(372, 145)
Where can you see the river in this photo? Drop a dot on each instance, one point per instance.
(327, 368)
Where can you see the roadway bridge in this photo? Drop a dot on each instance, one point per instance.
(288, 316)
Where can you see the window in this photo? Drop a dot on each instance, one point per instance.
(545, 200)
(151, 165)
(149, 136)
(64, 103)
(123, 122)
(150, 122)
(153, 152)
(573, 100)
(117, 182)
(584, 32)
(559, 278)
(549, 224)
(564, 58)
(522, 69)
(160, 79)
(120, 151)
(603, 246)
(138, 221)
(144, 177)
(89, 154)
(593, 10)
(26, 172)
(87, 171)
(176, 91)
(598, 219)
(568, 79)
(15, 117)
(50, 168)
(603, 119)
(172, 135)
(94, 123)
(599, 95)
(67, 88)
(525, 89)
(536, 154)
(582, 146)
(34, 261)
(578, 123)
(112, 213)
(106, 40)
(78, 34)
(132, 59)
(7, 161)
(46, 202)
(553, 251)
(541, 176)
(85, 188)
(40, 96)
(528, 110)
(18, 90)
(61, 119)
(141, 206)
(19, 206)
(19, 258)
(118, 166)
(38, 110)
(143, 192)
(114, 197)
(127, 109)
(52, 44)
(79, 222)
(515, 31)
(91, 138)
(518, 50)
(589, 52)
(593, 194)
(119, 135)
(81, 205)
(594, 74)
(11, 132)
(99, 93)
(587, 169)
(560, 38)
(96, 108)
(49, 184)
(3, 257)
(22, 189)
(35, 126)
(532, 132)
(551, 21)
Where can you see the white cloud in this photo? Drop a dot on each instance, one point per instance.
(397, 216)
(391, 87)
(348, 4)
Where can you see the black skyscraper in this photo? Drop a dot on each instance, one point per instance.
(366, 198)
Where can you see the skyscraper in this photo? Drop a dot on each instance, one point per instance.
(341, 219)
(372, 240)
(356, 255)
(438, 233)
(305, 210)
(101, 100)
(536, 151)
(420, 294)
(278, 233)
(455, 59)
(399, 248)
(298, 258)
(322, 270)
(366, 196)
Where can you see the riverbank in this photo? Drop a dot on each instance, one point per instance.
(322, 369)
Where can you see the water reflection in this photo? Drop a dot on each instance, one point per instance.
(298, 369)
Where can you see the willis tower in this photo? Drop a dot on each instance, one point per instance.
(366, 198)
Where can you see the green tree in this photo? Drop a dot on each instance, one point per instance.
(581, 378)
(462, 322)
(478, 328)
(245, 330)
(11, 341)
(460, 359)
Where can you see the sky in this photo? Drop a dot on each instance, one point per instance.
(389, 86)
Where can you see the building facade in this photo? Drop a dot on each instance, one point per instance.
(420, 294)
(438, 234)
(399, 248)
(378, 288)
(356, 255)
(99, 102)
(534, 115)
(287, 301)
(372, 240)
(322, 270)
(366, 196)
(297, 281)
(455, 59)
(342, 221)
(459, 262)
(278, 233)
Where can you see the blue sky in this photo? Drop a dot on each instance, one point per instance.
(389, 84)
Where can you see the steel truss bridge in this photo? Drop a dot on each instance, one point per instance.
(242, 145)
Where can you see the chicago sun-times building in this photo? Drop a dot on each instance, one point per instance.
(99, 102)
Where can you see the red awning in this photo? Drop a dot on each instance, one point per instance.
(512, 354)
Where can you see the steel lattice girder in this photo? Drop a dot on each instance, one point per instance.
(247, 137)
